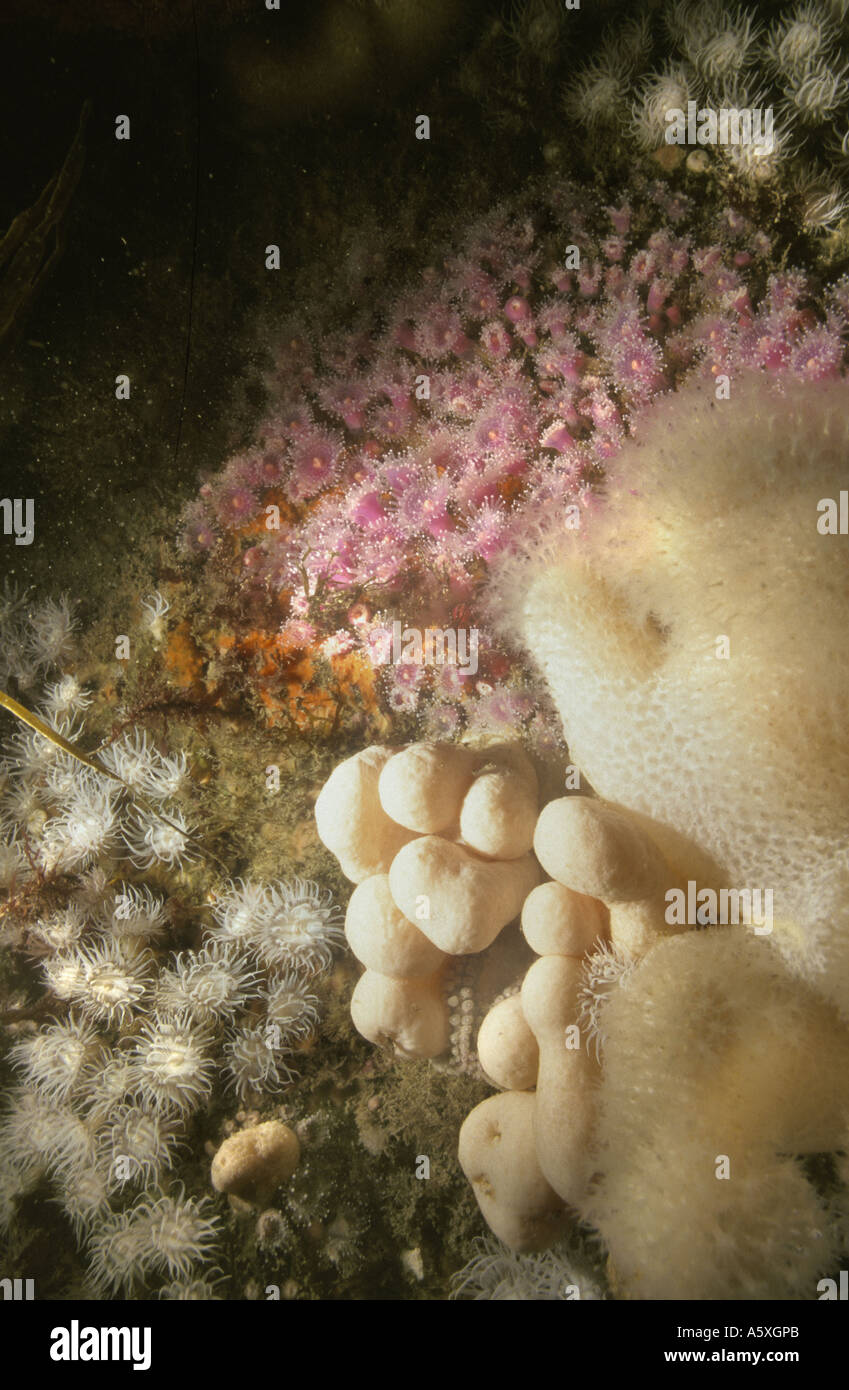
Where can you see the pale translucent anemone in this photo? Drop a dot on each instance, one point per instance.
(174, 1069)
(40, 1136)
(291, 1008)
(301, 926)
(130, 757)
(63, 929)
(255, 1061)
(799, 40)
(119, 1253)
(286, 923)
(63, 698)
(54, 1060)
(239, 910)
(85, 829)
(211, 983)
(661, 92)
(818, 92)
(153, 839)
(599, 94)
(113, 982)
(138, 1145)
(51, 632)
(497, 1274)
(137, 913)
(84, 1199)
(723, 45)
(178, 1232)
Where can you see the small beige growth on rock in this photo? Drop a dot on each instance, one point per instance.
(253, 1163)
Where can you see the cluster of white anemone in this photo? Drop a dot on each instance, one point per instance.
(288, 931)
(722, 54)
(76, 815)
(141, 1034)
(497, 1274)
(282, 922)
(159, 1235)
(35, 638)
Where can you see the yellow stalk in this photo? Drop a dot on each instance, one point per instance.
(27, 717)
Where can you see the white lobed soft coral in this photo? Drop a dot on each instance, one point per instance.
(720, 1070)
(692, 637)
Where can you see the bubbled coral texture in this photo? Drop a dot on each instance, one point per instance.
(709, 536)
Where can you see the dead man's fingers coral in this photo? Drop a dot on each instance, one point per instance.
(422, 786)
(351, 821)
(460, 902)
(507, 1049)
(498, 1156)
(595, 849)
(715, 1054)
(565, 1110)
(382, 938)
(408, 1014)
(556, 921)
(500, 808)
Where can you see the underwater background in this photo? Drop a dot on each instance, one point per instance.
(282, 366)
